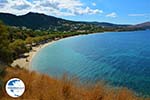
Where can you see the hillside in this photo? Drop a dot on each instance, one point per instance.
(106, 24)
(43, 87)
(145, 25)
(42, 21)
(31, 20)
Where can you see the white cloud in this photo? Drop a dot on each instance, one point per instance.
(3, 3)
(94, 4)
(49, 7)
(87, 10)
(138, 15)
(20, 4)
(113, 15)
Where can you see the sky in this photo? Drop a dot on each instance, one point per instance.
(113, 11)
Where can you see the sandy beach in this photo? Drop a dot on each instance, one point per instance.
(25, 62)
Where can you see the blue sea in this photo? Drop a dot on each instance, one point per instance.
(121, 59)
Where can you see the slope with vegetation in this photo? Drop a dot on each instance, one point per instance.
(43, 87)
(14, 41)
(44, 22)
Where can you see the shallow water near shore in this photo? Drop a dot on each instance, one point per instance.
(119, 58)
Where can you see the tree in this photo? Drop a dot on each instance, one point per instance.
(29, 40)
(5, 52)
(18, 47)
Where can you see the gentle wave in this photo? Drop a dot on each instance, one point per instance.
(119, 58)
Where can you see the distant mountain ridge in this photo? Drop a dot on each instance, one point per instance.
(143, 25)
(42, 21)
(31, 20)
(106, 24)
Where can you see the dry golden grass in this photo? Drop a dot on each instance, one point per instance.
(43, 87)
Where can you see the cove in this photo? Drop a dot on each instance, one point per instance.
(121, 59)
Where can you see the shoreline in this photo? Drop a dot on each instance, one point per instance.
(25, 62)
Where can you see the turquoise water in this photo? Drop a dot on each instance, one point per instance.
(118, 58)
